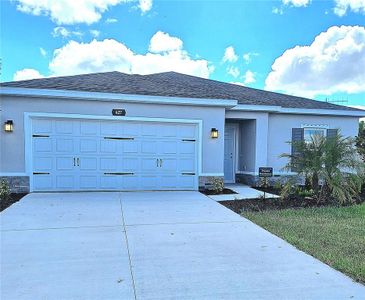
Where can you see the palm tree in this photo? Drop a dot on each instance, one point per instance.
(330, 166)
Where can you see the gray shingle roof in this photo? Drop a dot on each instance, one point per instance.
(171, 84)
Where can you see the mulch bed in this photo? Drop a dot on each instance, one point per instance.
(224, 192)
(11, 200)
(261, 204)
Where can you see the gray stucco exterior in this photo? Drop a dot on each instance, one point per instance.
(261, 131)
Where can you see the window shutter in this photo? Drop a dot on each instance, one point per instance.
(331, 133)
(297, 135)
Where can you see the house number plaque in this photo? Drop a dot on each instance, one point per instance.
(118, 112)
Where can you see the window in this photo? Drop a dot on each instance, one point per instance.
(311, 132)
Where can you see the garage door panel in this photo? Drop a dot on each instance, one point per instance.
(65, 182)
(186, 165)
(150, 129)
(42, 182)
(64, 163)
(169, 165)
(92, 155)
(108, 163)
(169, 147)
(131, 129)
(169, 181)
(186, 182)
(88, 145)
(130, 182)
(64, 145)
(108, 146)
(131, 146)
(64, 127)
(89, 182)
(110, 128)
(109, 182)
(148, 164)
(89, 128)
(42, 126)
(88, 163)
(42, 145)
(148, 147)
(149, 182)
(131, 164)
(187, 132)
(43, 163)
(187, 148)
(169, 131)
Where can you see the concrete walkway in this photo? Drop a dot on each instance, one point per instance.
(152, 245)
(243, 192)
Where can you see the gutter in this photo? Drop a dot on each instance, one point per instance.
(107, 97)
(299, 111)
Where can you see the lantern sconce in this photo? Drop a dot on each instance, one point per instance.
(8, 126)
(214, 133)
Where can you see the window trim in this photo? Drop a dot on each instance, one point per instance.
(323, 129)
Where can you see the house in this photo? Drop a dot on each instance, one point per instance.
(166, 131)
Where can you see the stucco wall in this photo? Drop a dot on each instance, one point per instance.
(280, 131)
(12, 144)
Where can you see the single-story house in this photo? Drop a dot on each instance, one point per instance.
(165, 131)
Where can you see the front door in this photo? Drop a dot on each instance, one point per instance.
(229, 151)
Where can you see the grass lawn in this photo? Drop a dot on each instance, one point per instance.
(334, 235)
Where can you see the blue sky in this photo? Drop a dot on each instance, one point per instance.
(192, 37)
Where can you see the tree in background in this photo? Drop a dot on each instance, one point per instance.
(360, 140)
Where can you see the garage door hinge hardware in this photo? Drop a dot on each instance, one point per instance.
(187, 173)
(119, 173)
(40, 173)
(186, 140)
(40, 135)
(117, 138)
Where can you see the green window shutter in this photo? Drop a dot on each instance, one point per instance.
(297, 135)
(331, 133)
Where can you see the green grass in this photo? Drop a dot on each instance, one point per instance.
(334, 235)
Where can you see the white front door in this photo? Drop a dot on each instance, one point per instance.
(229, 152)
(73, 154)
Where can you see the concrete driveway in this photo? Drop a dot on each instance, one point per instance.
(152, 245)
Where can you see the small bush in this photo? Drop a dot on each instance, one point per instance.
(4, 190)
(217, 185)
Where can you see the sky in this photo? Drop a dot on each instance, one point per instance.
(314, 49)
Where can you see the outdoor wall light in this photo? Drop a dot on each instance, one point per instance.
(8, 126)
(214, 133)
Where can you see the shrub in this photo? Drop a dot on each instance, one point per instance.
(217, 185)
(4, 190)
(331, 168)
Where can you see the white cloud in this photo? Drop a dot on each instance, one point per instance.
(68, 12)
(234, 71)
(111, 20)
(277, 11)
(247, 57)
(95, 33)
(334, 62)
(230, 55)
(26, 74)
(297, 3)
(63, 32)
(111, 55)
(342, 6)
(145, 5)
(43, 52)
(249, 77)
(163, 42)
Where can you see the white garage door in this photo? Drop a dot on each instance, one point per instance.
(72, 154)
